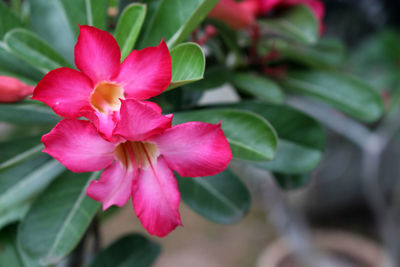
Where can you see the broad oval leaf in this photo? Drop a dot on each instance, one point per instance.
(33, 50)
(27, 114)
(222, 198)
(96, 13)
(131, 250)
(22, 182)
(8, 20)
(11, 65)
(57, 219)
(345, 93)
(297, 23)
(8, 248)
(173, 20)
(261, 87)
(250, 136)
(301, 138)
(188, 63)
(128, 28)
(14, 213)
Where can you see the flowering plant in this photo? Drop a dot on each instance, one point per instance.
(122, 105)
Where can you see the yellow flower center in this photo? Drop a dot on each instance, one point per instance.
(105, 97)
(136, 154)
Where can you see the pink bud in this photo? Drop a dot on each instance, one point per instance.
(13, 90)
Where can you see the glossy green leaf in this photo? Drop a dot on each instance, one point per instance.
(345, 93)
(96, 13)
(301, 138)
(131, 250)
(8, 248)
(14, 213)
(11, 65)
(27, 114)
(33, 50)
(21, 157)
(188, 63)
(8, 20)
(222, 198)
(250, 136)
(128, 28)
(13, 147)
(22, 182)
(214, 76)
(261, 87)
(58, 219)
(297, 23)
(173, 20)
(327, 53)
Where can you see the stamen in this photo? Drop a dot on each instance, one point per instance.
(105, 97)
(136, 154)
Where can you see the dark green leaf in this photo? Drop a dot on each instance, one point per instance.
(287, 181)
(298, 24)
(301, 138)
(57, 219)
(258, 86)
(188, 64)
(96, 12)
(345, 93)
(33, 50)
(8, 20)
(250, 136)
(222, 198)
(11, 65)
(14, 213)
(173, 20)
(214, 76)
(128, 28)
(8, 248)
(27, 114)
(131, 250)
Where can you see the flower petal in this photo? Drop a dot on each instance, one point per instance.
(233, 13)
(78, 146)
(105, 123)
(97, 54)
(146, 73)
(156, 199)
(114, 186)
(194, 148)
(138, 121)
(12, 89)
(65, 90)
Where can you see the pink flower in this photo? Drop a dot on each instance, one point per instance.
(139, 163)
(13, 90)
(95, 91)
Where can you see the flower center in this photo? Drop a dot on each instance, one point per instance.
(136, 154)
(105, 97)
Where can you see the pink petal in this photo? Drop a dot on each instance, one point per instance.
(114, 186)
(138, 121)
(97, 54)
(78, 146)
(65, 90)
(194, 148)
(105, 123)
(146, 73)
(156, 199)
(12, 89)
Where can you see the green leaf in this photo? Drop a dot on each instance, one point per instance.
(188, 64)
(301, 138)
(8, 20)
(96, 13)
(222, 198)
(13, 147)
(214, 76)
(14, 213)
(131, 250)
(298, 24)
(250, 136)
(128, 28)
(345, 93)
(173, 20)
(327, 53)
(22, 182)
(57, 219)
(11, 65)
(28, 154)
(258, 86)
(8, 248)
(33, 50)
(27, 114)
